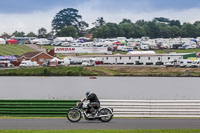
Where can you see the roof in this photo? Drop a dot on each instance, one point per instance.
(31, 55)
(137, 55)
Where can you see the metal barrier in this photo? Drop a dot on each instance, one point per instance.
(122, 108)
(154, 108)
(35, 107)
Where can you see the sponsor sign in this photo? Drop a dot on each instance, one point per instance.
(70, 50)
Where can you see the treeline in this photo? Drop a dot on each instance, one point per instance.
(68, 22)
(42, 33)
(157, 28)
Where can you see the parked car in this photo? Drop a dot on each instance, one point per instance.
(98, 61)
(28, 64)
(6, 64)
(88, 62)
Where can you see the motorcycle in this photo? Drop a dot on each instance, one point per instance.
(103, 114)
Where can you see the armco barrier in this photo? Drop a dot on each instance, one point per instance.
(35, 107)
(122, 108)
(154, 108)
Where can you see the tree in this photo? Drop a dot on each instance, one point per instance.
(188, 30)
(113, 30)
(68, 31)
(101, 32)
(82, 27)
(175, 23)
(125, 21)
(5, 35)
(139, 31)
(141, 23)
(126, 30)
(68, 17)
(50, 35)
(99, 22)
(42, 33)
(164, 30)
(18, 34)
(197, 27)
(175, 31)
(152, 29)
(31, 34)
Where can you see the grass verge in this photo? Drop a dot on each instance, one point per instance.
(103, 71)
(102, 131)
(46, 71)
(177, 51)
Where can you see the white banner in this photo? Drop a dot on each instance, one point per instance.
(69, 50)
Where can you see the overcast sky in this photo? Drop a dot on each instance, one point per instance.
(30, 15)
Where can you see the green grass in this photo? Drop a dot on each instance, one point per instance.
(102, 131)
(14, 49)
(49, 47)
(103, 71)
(178, 51)
(47, 71)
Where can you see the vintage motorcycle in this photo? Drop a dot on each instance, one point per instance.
(103, 114)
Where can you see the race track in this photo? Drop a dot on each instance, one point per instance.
(114, 124)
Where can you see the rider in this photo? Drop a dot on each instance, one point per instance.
(94, 102)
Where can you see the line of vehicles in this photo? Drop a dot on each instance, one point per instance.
(54, 62)
(188, 63)
(183, 63)
(94, 61)
(62, 62)
(73, 61)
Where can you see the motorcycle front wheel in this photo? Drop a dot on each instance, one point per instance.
(74, 115)
(107, 115)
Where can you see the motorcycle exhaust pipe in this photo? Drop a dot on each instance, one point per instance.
(105, 115)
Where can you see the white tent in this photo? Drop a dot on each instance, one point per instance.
(2, 41)
(63, 39)
(141, 53)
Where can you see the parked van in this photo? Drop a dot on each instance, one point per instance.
(28, 64)
(171, 63)
(196, 63)
(186, 63)
(88, 62)
(65, 62)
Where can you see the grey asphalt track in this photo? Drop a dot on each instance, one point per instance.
(114, 124)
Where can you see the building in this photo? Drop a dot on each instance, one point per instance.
(142, 59)
(39, 57)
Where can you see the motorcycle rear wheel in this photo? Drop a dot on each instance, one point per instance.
(74, 115)
(105, 111)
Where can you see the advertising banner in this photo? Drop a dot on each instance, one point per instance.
(70, 50)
